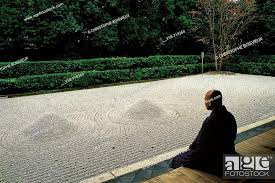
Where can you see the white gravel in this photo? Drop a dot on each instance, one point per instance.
(70, 136)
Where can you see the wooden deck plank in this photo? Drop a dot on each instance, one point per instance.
(198, 175)
(173, 176)
(260, 144)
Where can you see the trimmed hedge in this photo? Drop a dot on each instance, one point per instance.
(113, 70)
(57, 81)
(120, 63)
(244, 59)
(90, 78)
(7, 86)
(267, 69)
(254, 59)
(258, 65)
(99, 64)
(170, 71)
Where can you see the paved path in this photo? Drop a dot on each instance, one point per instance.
(71, 136)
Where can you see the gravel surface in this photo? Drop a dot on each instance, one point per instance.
(71, 136)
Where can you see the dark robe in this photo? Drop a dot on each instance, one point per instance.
(215, 138)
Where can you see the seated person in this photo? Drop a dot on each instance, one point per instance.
(215, 138)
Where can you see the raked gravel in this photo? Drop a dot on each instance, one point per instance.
(71, 136)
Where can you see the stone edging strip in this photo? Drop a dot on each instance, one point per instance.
(159, 164)
(254, 129)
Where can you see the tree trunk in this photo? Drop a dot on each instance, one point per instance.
(221, 64)
(213, 37)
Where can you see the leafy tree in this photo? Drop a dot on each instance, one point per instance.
(225, 21)
(59, 33)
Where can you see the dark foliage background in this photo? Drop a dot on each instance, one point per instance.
(58, 34)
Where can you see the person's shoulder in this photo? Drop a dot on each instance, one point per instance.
(231, 119)
(213, 118)
(230, 115)
(228, 112)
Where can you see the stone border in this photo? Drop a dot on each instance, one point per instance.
(254, 129)
(159, 164)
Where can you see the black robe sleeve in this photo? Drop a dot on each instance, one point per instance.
(216, 135)
(205, 140)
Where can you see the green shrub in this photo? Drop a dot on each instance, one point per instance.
(267, 69)
(171, 71)
(113, 70)
(99, 64)
(7, 86)
(90, 78)
(255, 59)
(242, 58)
(57, 81)
(260, 65)
(137, 74)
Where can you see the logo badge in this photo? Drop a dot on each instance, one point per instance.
(249, 167)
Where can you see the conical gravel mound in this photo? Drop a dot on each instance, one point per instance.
(49, 128)
(145, 110)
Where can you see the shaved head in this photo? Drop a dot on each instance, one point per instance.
(209, 94)
(213, 99)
